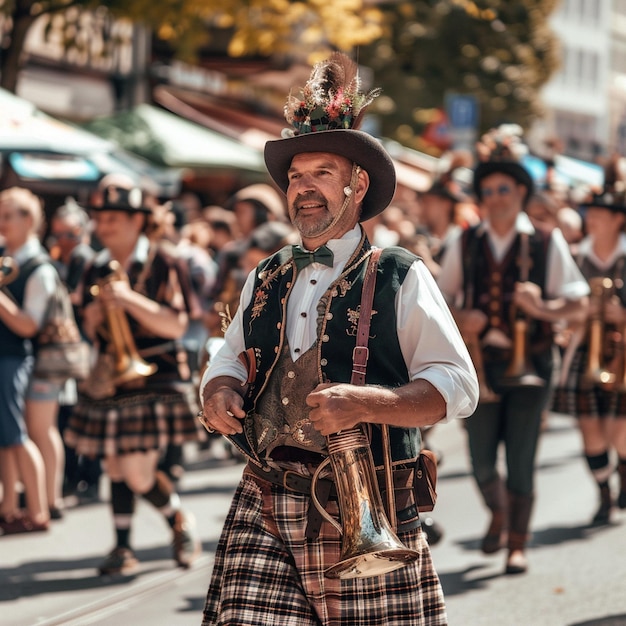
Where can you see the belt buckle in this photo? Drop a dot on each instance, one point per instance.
(286, 485)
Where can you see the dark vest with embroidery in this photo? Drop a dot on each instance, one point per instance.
(492, 284)
(12, 344)
(264, 328)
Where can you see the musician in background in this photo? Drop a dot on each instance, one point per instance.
(500, 276)
(129, 424)
(296, 327)
(592, 381)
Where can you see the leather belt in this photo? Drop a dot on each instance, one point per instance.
(292, 481)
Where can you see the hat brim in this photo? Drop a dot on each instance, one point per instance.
(355, 145)
(120, 209)
(614, 208)
(510, 168)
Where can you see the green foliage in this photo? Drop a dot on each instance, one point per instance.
(501, 51)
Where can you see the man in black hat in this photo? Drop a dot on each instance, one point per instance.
(295, 331)
(508, 282)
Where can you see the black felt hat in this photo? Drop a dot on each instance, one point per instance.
(326, 118)
(118, 197)
(500, 151)
(612, 200)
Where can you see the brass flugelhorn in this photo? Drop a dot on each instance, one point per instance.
(9, 270)
(370, 547)
(520, 371)
(128, 365)
(596, 372)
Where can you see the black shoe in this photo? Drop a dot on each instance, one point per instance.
(119, 561)
(603, 514)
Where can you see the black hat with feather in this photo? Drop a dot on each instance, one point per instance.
(501, 150)
(326, 119)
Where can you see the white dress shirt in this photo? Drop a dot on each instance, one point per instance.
(429, 338)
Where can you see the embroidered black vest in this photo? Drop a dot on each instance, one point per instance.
(491, 284)
(264, 332)
(12, 344)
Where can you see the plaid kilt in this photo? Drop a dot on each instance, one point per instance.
(267, 573)
(580, 399)
(135, 421)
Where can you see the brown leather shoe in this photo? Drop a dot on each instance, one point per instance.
(119, 561)
(23, 524)
(186, 547)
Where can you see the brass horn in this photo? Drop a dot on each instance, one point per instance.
(9, 270)
(596, 373)
(370, 547)
(520, 371)
(128, 365)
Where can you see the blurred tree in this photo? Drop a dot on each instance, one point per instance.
(265, 27)
(501, 51)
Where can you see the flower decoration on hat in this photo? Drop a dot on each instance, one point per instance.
(504, 143)
(331, 99)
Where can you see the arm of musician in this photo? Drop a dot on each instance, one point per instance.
(162, 320)
(16, 320)
(336, 407)
(527, 296)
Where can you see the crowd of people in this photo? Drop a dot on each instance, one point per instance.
(497, 300)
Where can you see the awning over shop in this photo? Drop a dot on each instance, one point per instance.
(50, 156)
(170, 140)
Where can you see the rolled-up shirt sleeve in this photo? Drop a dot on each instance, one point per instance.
(431, 343)
(226, 361)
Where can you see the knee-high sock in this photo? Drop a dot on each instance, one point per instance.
(123, 506)
(163, 497)
(600, 467)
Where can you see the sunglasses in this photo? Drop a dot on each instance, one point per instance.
(64, 235)
(501, 190)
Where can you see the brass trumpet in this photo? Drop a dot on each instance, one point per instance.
(596, 372)
(128, 365)
(370, 546)
(9, 270)
(520, 371)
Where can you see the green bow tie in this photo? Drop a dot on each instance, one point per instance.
(302, 258)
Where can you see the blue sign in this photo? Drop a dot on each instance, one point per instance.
(462, 111)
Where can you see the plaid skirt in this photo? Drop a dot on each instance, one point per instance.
(133, 422)
(267, 572)
(580, 399)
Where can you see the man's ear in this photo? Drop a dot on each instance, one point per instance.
(363, 184)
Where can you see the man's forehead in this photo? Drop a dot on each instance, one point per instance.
(317, 159)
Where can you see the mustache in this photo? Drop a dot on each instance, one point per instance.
(309, 197)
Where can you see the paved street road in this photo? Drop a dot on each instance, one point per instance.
(577, 576)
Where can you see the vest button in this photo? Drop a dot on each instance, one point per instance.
(324, 362)
(279, 325)
(285, 401)
(325, 338)
(329, 316)
(291, 374)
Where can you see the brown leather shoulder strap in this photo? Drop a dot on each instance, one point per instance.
(361, 351)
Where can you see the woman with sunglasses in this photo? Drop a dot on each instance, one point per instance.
(501, 276)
